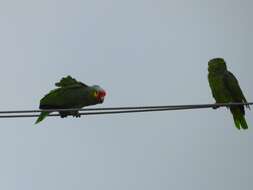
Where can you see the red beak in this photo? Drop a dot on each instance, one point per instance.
(101, 95)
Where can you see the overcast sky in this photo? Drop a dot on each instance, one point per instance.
(142, 52)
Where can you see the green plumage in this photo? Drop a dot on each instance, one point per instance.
(68, 81)
(42, 116)
(69, 94)
(225, 89)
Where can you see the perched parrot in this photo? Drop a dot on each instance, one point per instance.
(70, 94)
(225, 89)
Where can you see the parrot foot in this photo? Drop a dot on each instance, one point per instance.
(63, 114)
(76, 114)
(215, 107)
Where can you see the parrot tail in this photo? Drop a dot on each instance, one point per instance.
(42, 116)
(239, 119)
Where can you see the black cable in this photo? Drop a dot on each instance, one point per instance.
(130, 108)
(119, 110)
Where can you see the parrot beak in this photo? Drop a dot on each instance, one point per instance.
(101, 96)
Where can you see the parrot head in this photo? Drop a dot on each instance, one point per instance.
(217, 65)
(98, 94)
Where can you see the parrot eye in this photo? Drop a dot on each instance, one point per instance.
(95, 93)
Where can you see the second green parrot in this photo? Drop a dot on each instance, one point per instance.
(70, 94)
(225, 89)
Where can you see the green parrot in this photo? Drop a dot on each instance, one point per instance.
(225, 89)
(70, 94)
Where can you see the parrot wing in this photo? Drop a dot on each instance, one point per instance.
(68, 81)
(66, 97)
(212, 85)
(233, 86)
(62, 98)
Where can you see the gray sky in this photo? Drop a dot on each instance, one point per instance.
(142, 52)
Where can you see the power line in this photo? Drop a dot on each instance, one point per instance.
(118, 110)
(130, 107)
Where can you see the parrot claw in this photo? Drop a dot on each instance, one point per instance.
(215, 107)
(63, 114)
(76, 114)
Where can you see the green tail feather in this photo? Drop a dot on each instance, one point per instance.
(42, 116)
(243, 123)
(239, 119)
